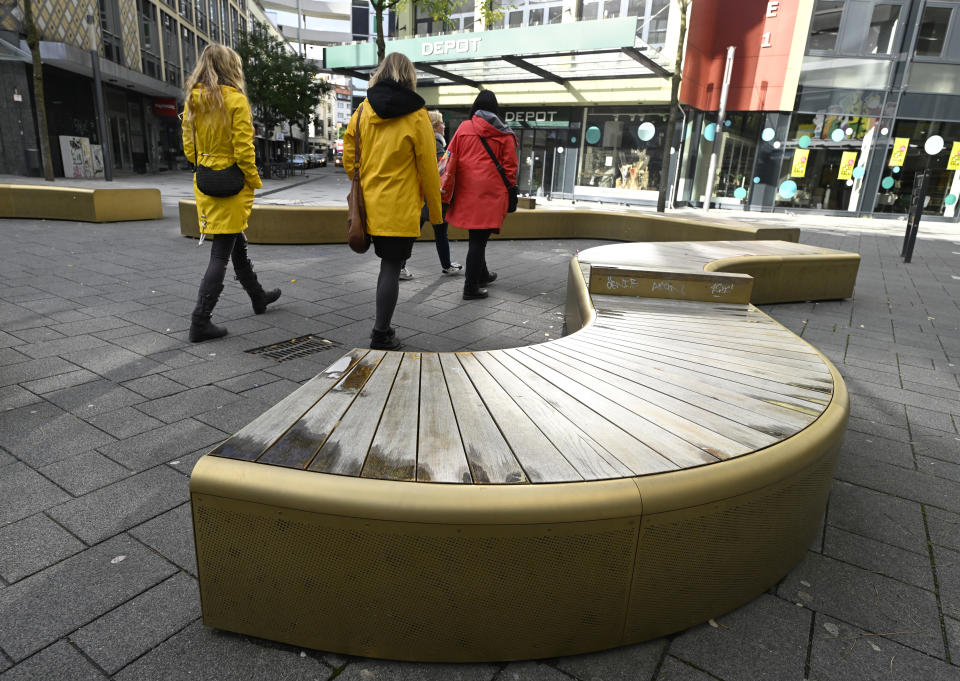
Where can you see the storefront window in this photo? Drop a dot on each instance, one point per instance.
(738, 148)
(623, 152)
(933, 31)
(916, 146)
(824, 163)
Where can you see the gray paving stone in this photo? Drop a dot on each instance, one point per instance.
(35, 369)
(883, 430)
(248, 381)
(157, 320)
(96, 397)
(944, 528)
(842, 652)
(6, 458)
(43, 433)
(929, 377)
(25, 492)
(913, 568)
(878, 448)
(530, 671)
(171, 535)
(764, 640)
(32, 544)
(907, 484)
(201, 654)
(124, 634)
(71, 378)
(122, 505)
(61, 346)
(942, 469)
(948, 574)
(117, 364)
(384, 670)
(234, 416)
(620, 664)
(674, 669)
(163, 444)
(54, 602)
(148, 343)
(868, 600)
(125, 422)
(11, 356)
(13, 396)
(84, 472)
(97, 325)
(59, 662)
(188, 403)
(154, 386)
(952, 627)
(931, 419)
(877, 516)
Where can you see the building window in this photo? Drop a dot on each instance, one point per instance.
(590, 10)
(933, 31)
(896, 187)
(214, 31)
(110, 31)
(235, 23)
(611, 9)
(189, 51)
(883, 28)
(826, 25)
(171, 49)
(554, 15)
(536, 17)
(516, 19)
(201, 10)
(186, 10)
(623, 150)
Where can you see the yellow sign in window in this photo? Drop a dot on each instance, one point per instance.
(954, 162)
(799, 168)
(899, 153)
(847, 163)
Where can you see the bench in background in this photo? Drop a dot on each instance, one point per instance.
(84, 205)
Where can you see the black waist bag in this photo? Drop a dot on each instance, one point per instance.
(220, 183)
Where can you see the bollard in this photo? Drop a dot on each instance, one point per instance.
(920, 183)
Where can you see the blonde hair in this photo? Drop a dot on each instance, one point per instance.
(436, 118)
(398, 67)
(218, 65)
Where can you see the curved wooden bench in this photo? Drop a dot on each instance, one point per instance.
(73, 203)
(662, 464)
(274, 224)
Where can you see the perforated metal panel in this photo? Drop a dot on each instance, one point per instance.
(697, 563)
(412, 591)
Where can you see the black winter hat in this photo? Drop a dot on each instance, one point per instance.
(487, 101)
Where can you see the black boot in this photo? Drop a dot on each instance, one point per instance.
(259, 297)
(385, 340)
(201, 328)
(488, 277)
(474, 293)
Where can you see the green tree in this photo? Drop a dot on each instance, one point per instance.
(283, 87)
(684, 6)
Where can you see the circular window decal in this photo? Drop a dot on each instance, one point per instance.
(837, 135)
(710, 132)
(739, 193)
(887, 182)
(950, 199)
(804, 142)
(933, 145)
(756, 180)
(788, 189)
(593, 134)
(646, 131)
(768, 134)
(858, 172)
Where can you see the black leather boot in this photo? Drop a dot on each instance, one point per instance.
(474, 293)
(201, 328)
(259, 297)
(385, 340)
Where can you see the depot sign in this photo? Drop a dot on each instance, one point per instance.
(459, 46)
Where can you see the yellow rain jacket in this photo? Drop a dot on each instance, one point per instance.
(218, 143)
(398, 160)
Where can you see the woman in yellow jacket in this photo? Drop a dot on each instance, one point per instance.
(218, 132)
(398, 171)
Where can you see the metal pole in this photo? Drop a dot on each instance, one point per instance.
(721, 114)
(299, 41)
(98, 99)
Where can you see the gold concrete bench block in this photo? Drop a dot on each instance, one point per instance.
(664, 463)
(526, 202)
(274, 224)
(84, 205)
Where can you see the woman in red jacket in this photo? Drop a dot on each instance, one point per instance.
(480, 198)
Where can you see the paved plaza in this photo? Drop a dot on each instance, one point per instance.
(105, 407)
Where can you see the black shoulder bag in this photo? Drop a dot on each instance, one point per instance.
(511, 188)
(219, 183)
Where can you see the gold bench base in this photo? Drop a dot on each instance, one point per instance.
(84, 205)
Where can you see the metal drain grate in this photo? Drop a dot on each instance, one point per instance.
(295, 348)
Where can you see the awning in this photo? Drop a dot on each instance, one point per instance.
(10, 52)
(557, 53)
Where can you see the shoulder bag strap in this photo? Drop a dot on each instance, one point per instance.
(503, 175)
(356, 155)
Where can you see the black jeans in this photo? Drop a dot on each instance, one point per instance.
(440, 236)
(226, 247)
(476, 259)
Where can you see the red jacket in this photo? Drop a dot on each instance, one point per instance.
(480, 198)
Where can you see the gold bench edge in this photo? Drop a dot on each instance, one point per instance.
(38, 202)
(678, 548)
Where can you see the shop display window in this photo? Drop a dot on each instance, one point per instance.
(738, 149)
(916, 146)
(824, 161)
(623, 150)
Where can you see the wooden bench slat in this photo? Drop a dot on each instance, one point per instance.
(630, 452)
(669, 445)
(771, 388)
(489, 455)
(393, 452)
(299, 444)
(757, 433)
(255, 438)
(440, 453)
(701, 429)
(588, 457)
(746, 360)
(541, 461)
(346, 447)
(727, 398)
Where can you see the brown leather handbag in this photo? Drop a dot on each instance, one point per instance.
(357, 236)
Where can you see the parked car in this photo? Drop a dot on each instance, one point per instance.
(321, 160)
(338, 161)
(299, 162)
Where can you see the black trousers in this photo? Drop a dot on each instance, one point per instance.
(476, 259)
(223, 249)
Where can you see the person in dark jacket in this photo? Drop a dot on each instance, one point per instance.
(480, 198)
